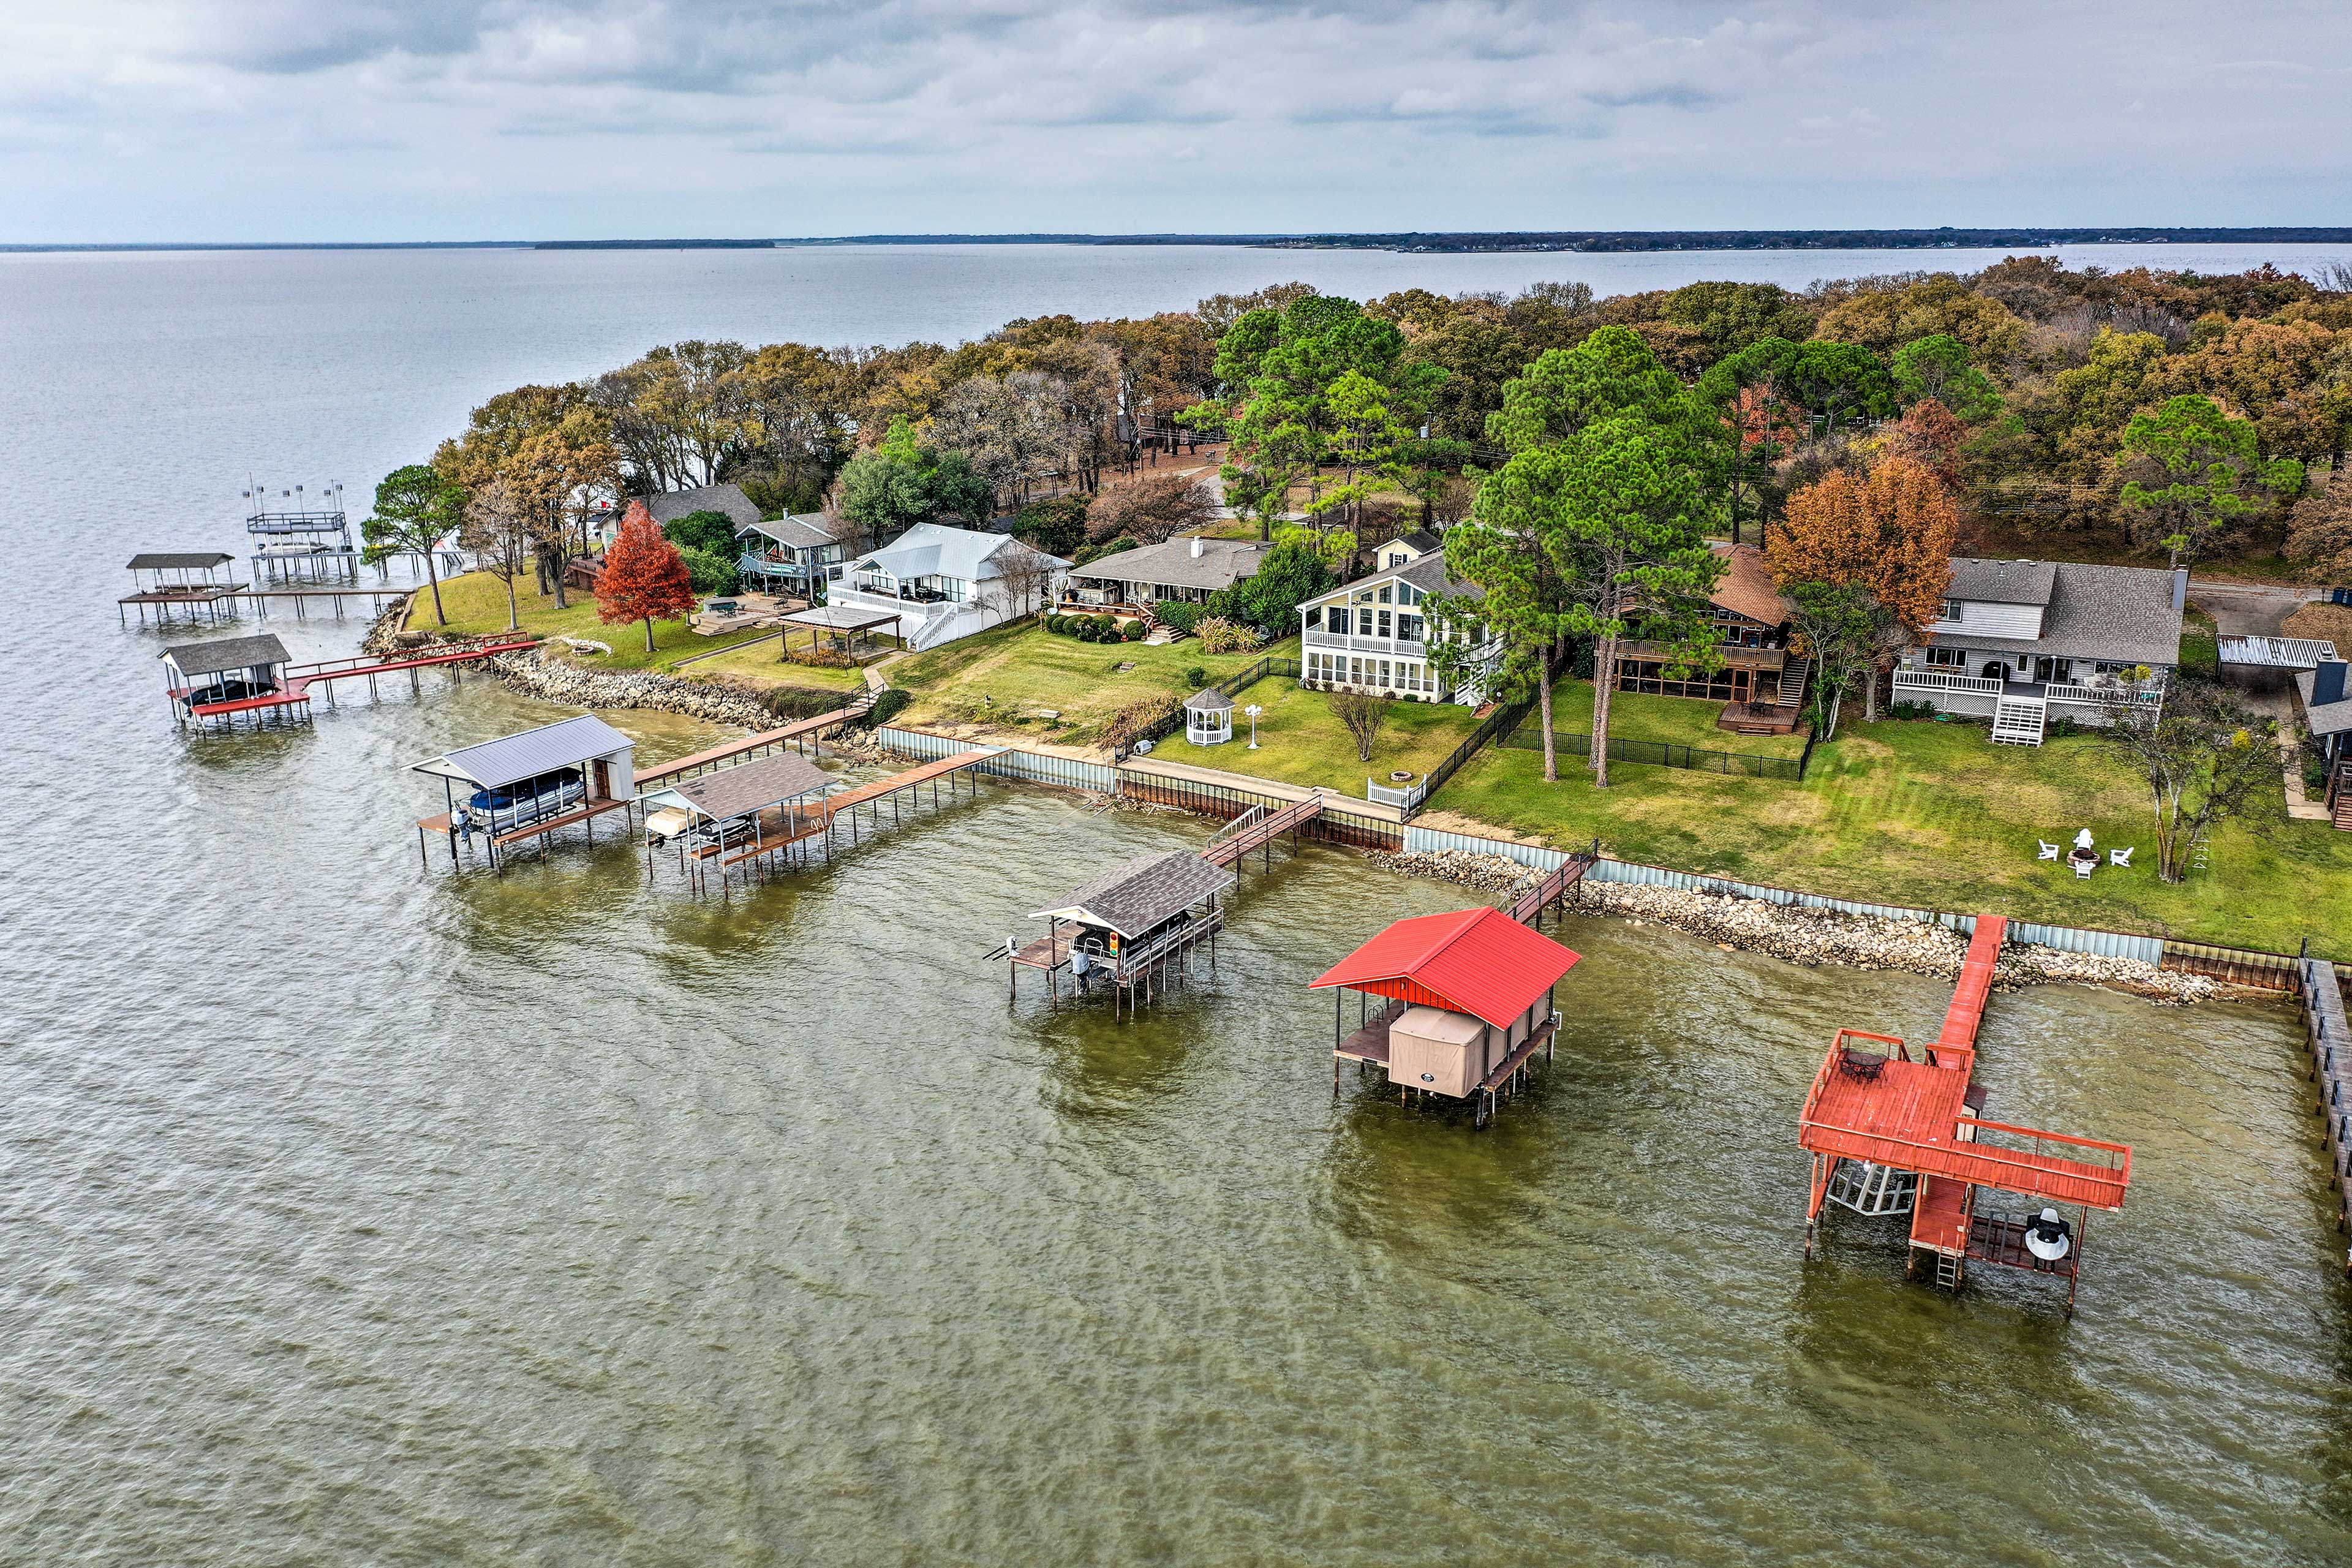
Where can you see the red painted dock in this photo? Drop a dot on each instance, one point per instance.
(301, 677)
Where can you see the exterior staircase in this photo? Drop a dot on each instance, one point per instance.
(2343, 792)
(1792, 688)
(2019, 721)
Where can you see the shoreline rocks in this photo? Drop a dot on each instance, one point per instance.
(1799, 933)
(552, 680)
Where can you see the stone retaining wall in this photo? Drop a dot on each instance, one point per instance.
(1801, 935)
(552, 681)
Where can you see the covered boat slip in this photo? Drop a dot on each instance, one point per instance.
(1892, 1134)
(189, 580)
(221, 680)
(758, 806)
(1135, 927)
(528, 786)
(1468, 1000)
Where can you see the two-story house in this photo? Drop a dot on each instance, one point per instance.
(790, 553)
(1375, 634)
(948, 583)
(1752, 622)
(2024, 642)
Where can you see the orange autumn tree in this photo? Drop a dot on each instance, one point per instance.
(1892, 533)
(645, 577)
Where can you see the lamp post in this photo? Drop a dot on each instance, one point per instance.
(1253, 711)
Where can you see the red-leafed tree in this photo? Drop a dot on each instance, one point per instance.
(645, 577)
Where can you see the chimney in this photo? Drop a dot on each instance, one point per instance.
(1196, 547)
(2180, 587)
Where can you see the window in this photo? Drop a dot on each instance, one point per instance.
(1314, 621)
(1408, 595)
(1386, 682)
(1363, 623)
(1408, 627)
(1383, 624)
(1951, 609)
(1397, 558)
(1388, 593)
(1947, 659)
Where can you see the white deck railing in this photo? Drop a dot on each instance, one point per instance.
(2106, 696)
(1943, 680)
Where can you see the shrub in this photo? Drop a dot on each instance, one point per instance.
(1138, 719)
(1057, 526)
(709, 573)
(821, 658)
(1218, 634)
(1196, 678)
(1908, 709)
(1059, 625)
(799, 701)
(1132, 631)
(710, 531)
(887, 707)
(1177, 614)
(1101, 628)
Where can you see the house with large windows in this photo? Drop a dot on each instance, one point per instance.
(1376, 634)
(2026, 642)
(1751, 624)
(949, 582)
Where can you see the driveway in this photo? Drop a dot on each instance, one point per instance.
(2249, 609)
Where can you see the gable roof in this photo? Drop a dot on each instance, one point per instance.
(1480, 961)
(565, 744)
(809, 532)
(1220, 563)
(753, 786)
(1132, 898)
(1746, 587)
(228, 653)
(2002, 582)
(728, 499)
(178, 560)
(935, 549)
(1421, 538)
(2120, 614)
(2327, 697)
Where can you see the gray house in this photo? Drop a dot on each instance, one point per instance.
(793, 553)
(2024, 642)
(1374, 634)
(1189, 569)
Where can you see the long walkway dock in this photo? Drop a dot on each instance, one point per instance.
(1888, 1131)
(301, 677)
(1256, 829)
(813, 826)
(799, 731)
(1527, 908)
(2331, 1075)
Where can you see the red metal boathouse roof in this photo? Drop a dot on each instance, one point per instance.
(1479, 961)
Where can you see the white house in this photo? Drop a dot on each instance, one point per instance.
(1374, 634)
(2024, 642)
(949, 582)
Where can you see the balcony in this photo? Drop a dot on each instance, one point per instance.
(1733, 655)
(1384, 648)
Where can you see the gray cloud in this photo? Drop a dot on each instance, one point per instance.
(440, 118)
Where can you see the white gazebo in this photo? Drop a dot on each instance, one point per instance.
(1209, 717)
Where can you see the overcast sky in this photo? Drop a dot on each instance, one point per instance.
(390, 119)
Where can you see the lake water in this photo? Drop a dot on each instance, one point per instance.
(356, 1214)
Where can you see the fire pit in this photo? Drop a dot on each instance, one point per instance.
(1400, 775)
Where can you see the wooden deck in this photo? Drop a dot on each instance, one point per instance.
(1229, 851)
(1530, 906)
(730, 750)
(594, 809)
(1370, 1044)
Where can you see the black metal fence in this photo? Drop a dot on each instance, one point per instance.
(1500, 721)
(1664, 754)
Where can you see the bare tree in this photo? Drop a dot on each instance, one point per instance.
(1024, 578)
(497, 531)
(1152, 509)
(1363, 714)
(2206, 758)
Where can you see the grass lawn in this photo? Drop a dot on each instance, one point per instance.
(1635, 716)
(1008, 673)
(1300, 741)
(477, 602)
(1935, 816)
(757, 662)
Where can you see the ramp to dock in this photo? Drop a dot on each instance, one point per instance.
(1253, 831)
(744, 746)
(301, 677)
(2331, 1076)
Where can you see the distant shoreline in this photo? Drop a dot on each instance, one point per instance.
(1591, 242)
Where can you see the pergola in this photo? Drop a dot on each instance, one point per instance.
(845, 623)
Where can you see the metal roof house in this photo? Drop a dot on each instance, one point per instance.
(1373, 634)
(2024, 642)
(1469, 1003)
(527, 785)
(1134, 926)
(762, 804)
(956, 581)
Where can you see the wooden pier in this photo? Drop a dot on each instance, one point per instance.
(1256, 829)
(796, 734)
(1890, 1133)
(2331, 1077)
(1136, 927)
(294, 691)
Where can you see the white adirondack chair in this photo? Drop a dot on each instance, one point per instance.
(2083, 870)
(2120, 857)
(2049, 850)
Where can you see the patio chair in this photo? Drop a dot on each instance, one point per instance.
(2083, 870)
(2120, 857)
(2048, 851)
